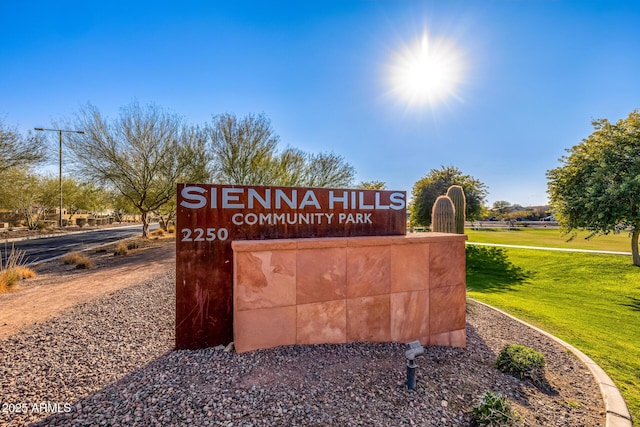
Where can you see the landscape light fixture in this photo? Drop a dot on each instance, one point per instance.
(60, 131)
(413, 349)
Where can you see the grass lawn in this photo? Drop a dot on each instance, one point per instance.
(550, 237)
(591, 301)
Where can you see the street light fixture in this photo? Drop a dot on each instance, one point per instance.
(60, 131)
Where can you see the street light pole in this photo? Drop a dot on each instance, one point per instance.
(60, 172)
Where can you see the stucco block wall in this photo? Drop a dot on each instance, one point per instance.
(339, 290)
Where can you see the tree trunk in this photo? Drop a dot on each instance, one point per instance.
(145, 225)
(634, 246)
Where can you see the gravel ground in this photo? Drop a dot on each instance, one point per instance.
(111, 362)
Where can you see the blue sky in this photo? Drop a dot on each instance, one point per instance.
(533, 75)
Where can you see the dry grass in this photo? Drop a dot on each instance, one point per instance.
(81, 261)
(25, 272)
(121, 249)
(14, 270)
(159, 232)
(133, 244)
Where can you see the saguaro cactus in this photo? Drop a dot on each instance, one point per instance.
(456, 194)
(443, 216)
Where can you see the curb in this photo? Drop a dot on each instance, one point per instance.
(617, 412)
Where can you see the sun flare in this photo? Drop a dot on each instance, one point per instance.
(427, 72)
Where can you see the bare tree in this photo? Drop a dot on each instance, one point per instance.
(245, 151)
(328, 170)
(142, 154)
(289, 168)
(16, 150)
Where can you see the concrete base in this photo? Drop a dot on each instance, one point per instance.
(339, 290)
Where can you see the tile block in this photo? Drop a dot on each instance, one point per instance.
(447, 264)
(265, 279)
(410, 267)
(264, 328)
(451, 339)
(321, 275)
(368, 319)
(458, 338)
(447, 309)
(368, 271)
(409, 315)
(441, 339)
(322, 322)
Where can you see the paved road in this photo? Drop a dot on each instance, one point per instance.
(38, 250)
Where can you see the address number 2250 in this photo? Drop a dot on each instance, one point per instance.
(204, 234)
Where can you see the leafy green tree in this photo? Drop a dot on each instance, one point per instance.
(50, 191)
(19, 151)
(485, 213)
(23, 192)
(120, 205)
(78, 196)
(91, 198)
(435, 183)
(245, 151)
(166, 214)
(521, 214)
(597, 187)
(501, 207)
(142, 154)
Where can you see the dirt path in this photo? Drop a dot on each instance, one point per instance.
(59, 287)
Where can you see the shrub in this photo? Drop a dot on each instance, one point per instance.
(133, 244)
(493, 410)
(14, 270)
(121, 249)
(81, 261)
(8, 278)
(124, 247)
(24, 272)
(522, 362)
(171, 229)
(159, 232)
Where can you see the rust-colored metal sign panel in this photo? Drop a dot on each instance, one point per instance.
(210, 216)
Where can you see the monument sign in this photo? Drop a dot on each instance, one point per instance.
(210, 217)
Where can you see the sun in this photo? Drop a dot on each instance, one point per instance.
(427, 72)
